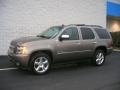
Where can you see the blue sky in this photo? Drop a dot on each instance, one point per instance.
(113, 9)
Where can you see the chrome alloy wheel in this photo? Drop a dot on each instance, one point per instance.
(41, 64)
(100, 58)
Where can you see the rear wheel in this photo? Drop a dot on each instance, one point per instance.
(98, 58)
(40, 63)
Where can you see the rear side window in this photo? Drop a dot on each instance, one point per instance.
(102, 33)
(87, 33)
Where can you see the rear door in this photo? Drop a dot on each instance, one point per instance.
(88, 42)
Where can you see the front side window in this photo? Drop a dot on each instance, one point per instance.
(87, 33)
(72, 32)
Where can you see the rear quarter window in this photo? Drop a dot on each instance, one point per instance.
(102, 33)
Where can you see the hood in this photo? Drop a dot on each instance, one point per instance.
(25, 40)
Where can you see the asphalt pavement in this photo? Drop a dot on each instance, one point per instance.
(81, 76)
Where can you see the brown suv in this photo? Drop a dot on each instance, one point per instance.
(61, 43)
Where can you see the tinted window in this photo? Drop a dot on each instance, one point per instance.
(72, 32)
(102, 33)
(87, 33)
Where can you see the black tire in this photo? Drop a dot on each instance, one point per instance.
(36, 60)
(98, 58)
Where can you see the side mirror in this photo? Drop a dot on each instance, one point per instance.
(64, 37)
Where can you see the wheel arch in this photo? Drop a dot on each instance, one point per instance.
(104, 48)
(48, 52)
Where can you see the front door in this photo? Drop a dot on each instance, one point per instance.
(68, 49)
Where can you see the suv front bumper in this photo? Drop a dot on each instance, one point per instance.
(19, 60)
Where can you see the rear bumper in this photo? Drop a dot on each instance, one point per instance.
(109, 51)
(19, 60)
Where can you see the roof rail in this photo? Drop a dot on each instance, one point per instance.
(78, 24)
(95, 26)
(87, 25)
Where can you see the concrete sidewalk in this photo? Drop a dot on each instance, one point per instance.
(116, 50)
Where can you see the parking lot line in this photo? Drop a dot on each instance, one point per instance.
(3, 69)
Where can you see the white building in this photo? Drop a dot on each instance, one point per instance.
(29, 17)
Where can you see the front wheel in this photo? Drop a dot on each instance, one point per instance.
(40, 63)
(98, 58)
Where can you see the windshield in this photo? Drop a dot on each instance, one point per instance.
(51, 32)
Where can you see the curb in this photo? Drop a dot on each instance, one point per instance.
(116, 50)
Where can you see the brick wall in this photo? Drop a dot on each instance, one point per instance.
(29, 17)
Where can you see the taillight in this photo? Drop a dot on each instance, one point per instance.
(110, 44)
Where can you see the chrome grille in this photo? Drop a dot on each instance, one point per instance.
(12, 49)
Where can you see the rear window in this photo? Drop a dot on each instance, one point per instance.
(102, 33)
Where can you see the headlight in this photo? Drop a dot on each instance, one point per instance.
(21, 50)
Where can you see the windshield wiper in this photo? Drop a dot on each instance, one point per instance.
(43, 36)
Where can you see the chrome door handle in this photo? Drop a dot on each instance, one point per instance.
(78, 43)
(94, 42)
